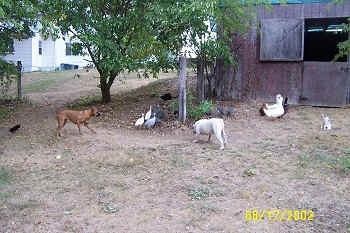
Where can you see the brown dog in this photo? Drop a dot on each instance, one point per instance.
(77, 117)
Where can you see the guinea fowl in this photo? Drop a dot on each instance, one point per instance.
(159, 112)
(150, 122)
(230, 111)
(220, 111)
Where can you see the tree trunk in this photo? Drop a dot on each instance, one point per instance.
(200, 80)
(228, 77)
(225, 81)
(182, 90)
(106, 82)
(106, 94)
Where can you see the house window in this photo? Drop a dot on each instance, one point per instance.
(322, 36)
(68, 49)
(40, 47)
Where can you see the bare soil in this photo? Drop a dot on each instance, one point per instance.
(125, 179)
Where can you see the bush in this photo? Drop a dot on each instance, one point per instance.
(8, 73)
(194, 112)
(204, 108)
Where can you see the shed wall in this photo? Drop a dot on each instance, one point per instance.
(264, 79)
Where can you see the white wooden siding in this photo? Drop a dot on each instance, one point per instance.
(24, 54)
(53, 55)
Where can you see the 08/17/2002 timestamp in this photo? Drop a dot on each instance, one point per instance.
(279, 215)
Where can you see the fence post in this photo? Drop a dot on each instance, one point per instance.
(19, 80)
(182, 90)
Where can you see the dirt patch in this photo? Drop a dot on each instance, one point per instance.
(133, 180)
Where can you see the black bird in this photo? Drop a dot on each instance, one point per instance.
(15, 128)
(166, 96)
(261, 110)
(285, 104)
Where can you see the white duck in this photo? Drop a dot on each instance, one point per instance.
(148, 114)
(140, 121)
(274, 110)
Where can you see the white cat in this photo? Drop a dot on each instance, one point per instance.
(326, 125)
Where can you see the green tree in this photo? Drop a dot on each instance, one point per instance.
(119, 35)
(129, 35)
(344, 47)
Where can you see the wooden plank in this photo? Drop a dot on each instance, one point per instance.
(330, 11)
(298, 11)
(315, 11)
(346, 10)
(281, 40)
(339, 9)
(325, 10)
(307, 11)
(324, 84)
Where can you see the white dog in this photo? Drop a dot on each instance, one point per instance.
(209, 127)
(326, 125)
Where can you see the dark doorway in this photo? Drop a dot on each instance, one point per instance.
(321, 37)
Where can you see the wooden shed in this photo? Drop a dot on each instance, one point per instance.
(290, 51)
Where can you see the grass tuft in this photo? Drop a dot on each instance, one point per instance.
(199, 193)
(5, 176)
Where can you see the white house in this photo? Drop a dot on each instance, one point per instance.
(37, 54)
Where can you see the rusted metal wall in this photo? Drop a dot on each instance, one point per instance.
(262, 80)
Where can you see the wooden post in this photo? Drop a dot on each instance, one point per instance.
(182, 89)
(19, 80)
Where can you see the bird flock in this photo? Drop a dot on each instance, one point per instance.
(276, 110)
(151, 118)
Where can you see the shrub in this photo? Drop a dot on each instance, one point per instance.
(8, 73)
(204, 108)
(194, 112)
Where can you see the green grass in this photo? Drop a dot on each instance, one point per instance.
(5, 176)
(199, 193)
(39, 86)
(344, 161)
(339, 162)
(87, 101)
(4, 113)
(45, 80)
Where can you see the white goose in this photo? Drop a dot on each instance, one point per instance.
(140, 121)
(273, 110)
(148, 114)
